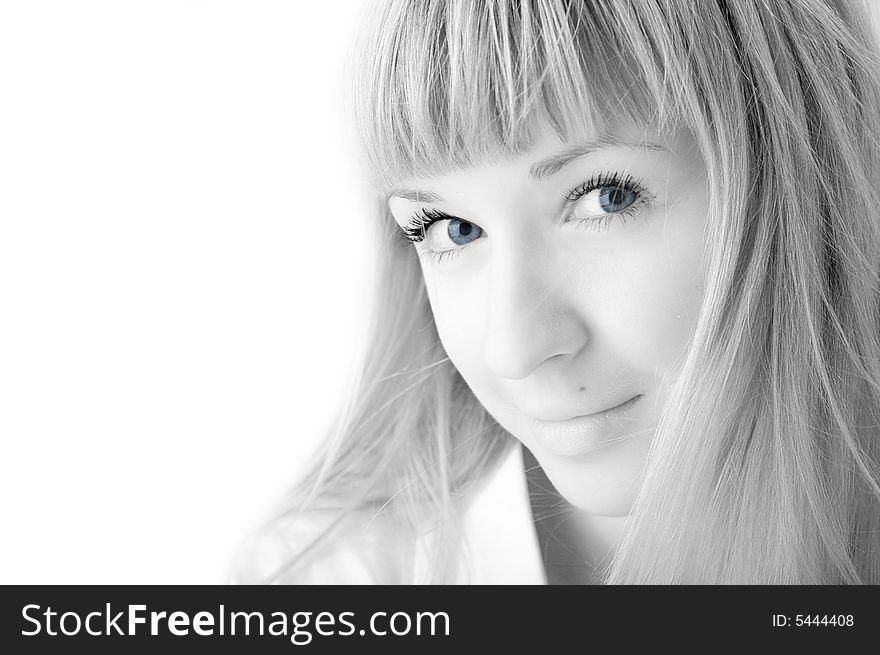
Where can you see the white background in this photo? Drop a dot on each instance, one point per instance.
(181, 241)
(181, 258)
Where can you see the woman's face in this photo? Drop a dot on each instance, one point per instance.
(565, 285)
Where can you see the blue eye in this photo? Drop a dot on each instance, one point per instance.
(616, 199)
(462, 233)
(441, 236)
(606, 199)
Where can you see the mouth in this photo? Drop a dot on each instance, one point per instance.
(582, 434)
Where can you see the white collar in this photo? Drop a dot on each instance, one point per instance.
(500, 534)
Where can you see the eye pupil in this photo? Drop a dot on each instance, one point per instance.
(462, 232)
(615, 199)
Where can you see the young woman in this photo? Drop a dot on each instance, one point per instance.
(639, 241)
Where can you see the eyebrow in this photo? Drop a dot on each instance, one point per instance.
(544, 168)
(415, 195)
(554, 163)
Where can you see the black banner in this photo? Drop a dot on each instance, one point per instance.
(169, 619)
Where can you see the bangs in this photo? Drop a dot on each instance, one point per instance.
(440, 86)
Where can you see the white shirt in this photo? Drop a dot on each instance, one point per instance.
(500, 532)
(501, 546)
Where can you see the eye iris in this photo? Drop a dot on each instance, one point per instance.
(615, 199)
(462, 232)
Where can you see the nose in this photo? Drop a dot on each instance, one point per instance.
(531, 319)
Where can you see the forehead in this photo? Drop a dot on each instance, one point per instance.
(545, 157)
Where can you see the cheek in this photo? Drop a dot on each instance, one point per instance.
(459, 316)
(653, 309)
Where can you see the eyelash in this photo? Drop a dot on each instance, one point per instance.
(610, 179)
(417, 227)
(416, 230)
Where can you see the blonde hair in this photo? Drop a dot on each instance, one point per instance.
(764, 467)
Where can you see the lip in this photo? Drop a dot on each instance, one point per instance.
(582, 434)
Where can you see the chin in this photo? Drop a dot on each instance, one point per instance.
(605, 483)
